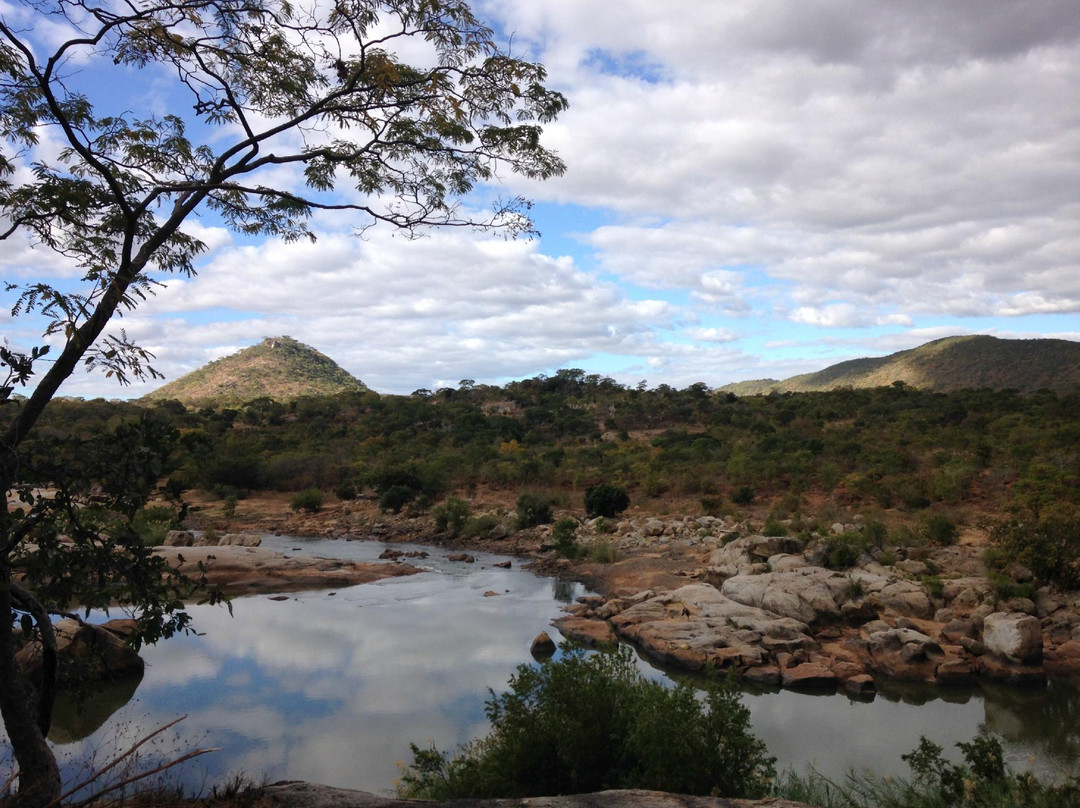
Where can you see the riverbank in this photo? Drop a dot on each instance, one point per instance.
(695, 591)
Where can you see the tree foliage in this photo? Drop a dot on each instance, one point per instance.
(586, 723)
(294, 109)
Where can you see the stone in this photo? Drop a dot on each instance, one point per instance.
(862, 684)
(955, 672)
(240, 540)
(588, 632)
(1013, 673)
(86, 653)
(491, 593)
(205, 539)
(179, 538)
(462, 557)
(542, 646)
(809, 676)
(503, 565)
(1014, 636)
(955, 630)
(903, 654)
(764, 675)
(499, 532)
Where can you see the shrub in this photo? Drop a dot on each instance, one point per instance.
(479, 525)
(586, 723)
(1049, 547)
(939, 529)
(533, 510)
(345, 492)
(310, 500)
(743, 495)
(774, 528)
(603, 552)
(395, 498)
(606, 500)
(451, 515)
(603, 526)
(843, 550)
(153, 523)
(563, 536)
(228, 507)
(982, 781)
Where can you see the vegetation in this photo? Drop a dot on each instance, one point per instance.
(533, 510)
(263, 84)
(952, 363)
(310, 500)
(1049, 547)
(562, 534)
(585, 723)
(277, 369)
(981, 781)
(606, 500)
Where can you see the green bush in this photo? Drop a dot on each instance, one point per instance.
(982, 781)
(843, 550)
(479, 525)
(1049, 547)
(774, 528)
(562, 535)
(395, 498)
(603, 552)
(533, 510)
(153, 523)
(345, 492)
(310, 500)
(606, 500)
(451, 515)
(939, 530)
(586, 723)
(743, 495)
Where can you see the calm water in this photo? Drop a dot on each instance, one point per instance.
(333, 688)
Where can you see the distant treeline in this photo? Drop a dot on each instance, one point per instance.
(887, 447)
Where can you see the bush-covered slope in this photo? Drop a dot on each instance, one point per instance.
(278, 367)
(952, 363)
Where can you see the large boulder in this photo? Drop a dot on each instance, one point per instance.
(810, 595)
(179, 538)
(86, 653)
(1014, 636)
(240, 540)
(696, 625)
(904, 654)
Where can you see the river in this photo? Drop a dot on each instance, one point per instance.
(331, 687)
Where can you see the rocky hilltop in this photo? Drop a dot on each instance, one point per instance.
(952, 363)
(278, 367)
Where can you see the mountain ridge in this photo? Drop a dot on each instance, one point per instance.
(951, 363)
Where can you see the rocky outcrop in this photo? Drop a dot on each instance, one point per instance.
(309, 795)
(86, 653)
(185, 538)
(245, 570)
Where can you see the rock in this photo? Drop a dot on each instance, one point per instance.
(542, 646)
(86, 653)
(1013, 673)
(491, 593)
(179, 538)
(1014, 636)
(861, 684)
(240, 540)
(245, 570)
(904, 654)
(499, 532)
(294, 794)
(390, 554)
(955, 672)
(906, 599)
(696, 624)
(811, 595)
(764, 675)
(463, 557)
(590, 633)
(955, 630)
(809, 676)
(205, 539)
(503, 565)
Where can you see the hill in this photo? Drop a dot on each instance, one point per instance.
(952, 363)
(278, 367)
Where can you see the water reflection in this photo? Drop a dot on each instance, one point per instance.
(332, 688)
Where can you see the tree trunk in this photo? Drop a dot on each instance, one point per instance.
(39, 777)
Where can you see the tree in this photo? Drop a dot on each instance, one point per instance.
(606, 500)
(273, 87)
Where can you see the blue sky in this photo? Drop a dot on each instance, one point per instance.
(755, 188)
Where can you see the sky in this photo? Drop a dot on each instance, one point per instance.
(754, 189)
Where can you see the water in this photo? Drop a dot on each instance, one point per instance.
(333, 688)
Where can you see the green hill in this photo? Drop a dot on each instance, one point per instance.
(278, 367)
(952, 363)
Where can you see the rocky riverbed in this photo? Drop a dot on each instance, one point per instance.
(695, 591)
